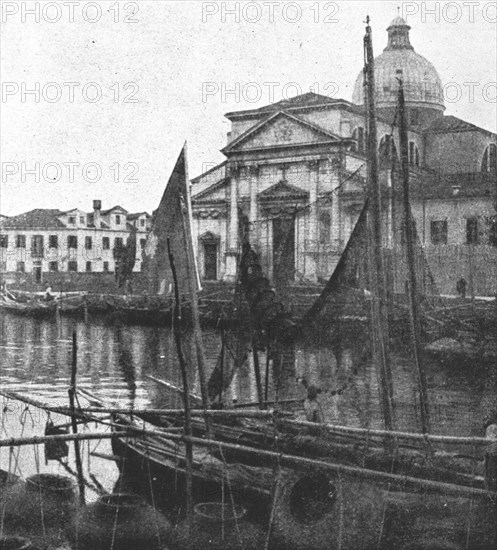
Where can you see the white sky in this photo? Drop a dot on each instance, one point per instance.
(171, 54)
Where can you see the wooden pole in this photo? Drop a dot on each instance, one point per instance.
(72, 393)
(164, 412)
(186, 401)
(268, 355)
(40, 439)
(411, 264)
(377, 269)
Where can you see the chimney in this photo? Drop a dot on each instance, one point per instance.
(97, 206)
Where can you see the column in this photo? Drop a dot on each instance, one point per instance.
(253, 213)
(336, 222)
(232, 248)
(312, 251)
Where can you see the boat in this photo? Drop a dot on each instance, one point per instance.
(316, 485)
(33, 307)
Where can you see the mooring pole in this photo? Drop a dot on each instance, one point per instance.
(74, 423)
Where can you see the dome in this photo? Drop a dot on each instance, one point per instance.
(422, 85)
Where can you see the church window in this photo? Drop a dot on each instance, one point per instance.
(358, 136)
(489, 161)
(472, 231)
(413, 154)
(324, 227)
(438, 232)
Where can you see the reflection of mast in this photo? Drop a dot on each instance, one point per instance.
(377, 269)
(412, 280)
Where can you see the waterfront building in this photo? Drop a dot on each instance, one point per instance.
(38, 245)
(295, 171)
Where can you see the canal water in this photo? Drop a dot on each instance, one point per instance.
(115, 363)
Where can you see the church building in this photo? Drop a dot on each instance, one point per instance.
(295, 172)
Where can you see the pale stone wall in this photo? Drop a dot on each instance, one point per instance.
(238, 127)
(9, 257)
(457, 152)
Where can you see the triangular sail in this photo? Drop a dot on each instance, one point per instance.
(172, 220)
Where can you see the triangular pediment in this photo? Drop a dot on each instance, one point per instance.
(283, 190)
(214, 193)
(280, 130)
(209, 236)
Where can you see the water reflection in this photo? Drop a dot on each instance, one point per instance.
(114, 363)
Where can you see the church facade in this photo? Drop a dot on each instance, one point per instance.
(294, 175)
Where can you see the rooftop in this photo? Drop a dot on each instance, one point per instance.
(304, 101)
(449, 123)
(39, 218)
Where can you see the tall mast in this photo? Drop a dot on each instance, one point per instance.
(193, 285)
(377, 268)
(412, 279)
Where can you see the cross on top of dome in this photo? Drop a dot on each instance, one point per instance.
(398, 35)
(422, 84)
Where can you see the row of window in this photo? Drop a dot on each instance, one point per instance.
(89, 219)
(474, 233)
(54, 266)
(386, 148)
(37, 242)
